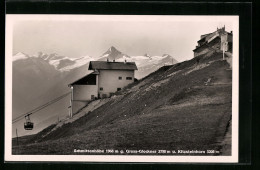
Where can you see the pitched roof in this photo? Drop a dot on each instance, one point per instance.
(204, 35)
(104, 65)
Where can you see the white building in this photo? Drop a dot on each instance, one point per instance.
(104, 81)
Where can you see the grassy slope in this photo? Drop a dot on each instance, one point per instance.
(171, 108)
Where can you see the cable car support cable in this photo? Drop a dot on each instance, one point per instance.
(40, 107)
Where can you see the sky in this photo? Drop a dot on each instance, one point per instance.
(81, 35)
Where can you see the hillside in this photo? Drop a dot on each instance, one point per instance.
(184, 106)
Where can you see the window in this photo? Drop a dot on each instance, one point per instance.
(119, 78)
(101, 88)
(129, 78)
(92, 97)
(118, 89)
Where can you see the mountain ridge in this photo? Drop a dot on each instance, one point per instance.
(64, 63)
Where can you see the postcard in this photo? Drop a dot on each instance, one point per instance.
(121, 88)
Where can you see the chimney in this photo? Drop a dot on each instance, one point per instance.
(114, 60)
(107, 60)
(125, 62)
(231, 32)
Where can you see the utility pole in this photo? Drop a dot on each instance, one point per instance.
(223, 53)
(71, 101)
(17, 140)
(224, 45)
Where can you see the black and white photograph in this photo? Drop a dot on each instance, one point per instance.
(121, 88)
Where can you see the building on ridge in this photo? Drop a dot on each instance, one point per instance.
(215, 41)
(105, 79)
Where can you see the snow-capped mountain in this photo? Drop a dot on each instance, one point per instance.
(60, 63)
(147, 55)
(145, 63)
(63, 63)
(20, 56)
(113, 54)
(69, 64)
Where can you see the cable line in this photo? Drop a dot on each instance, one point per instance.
(40, 107)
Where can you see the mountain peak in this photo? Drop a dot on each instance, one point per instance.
(112, 54)
(147, 55)
(166, 55)
(20, 53)
(112, 48)
(19, 56)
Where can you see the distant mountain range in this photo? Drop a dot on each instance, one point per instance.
(145, 63)
(61, 63)
(42, 77)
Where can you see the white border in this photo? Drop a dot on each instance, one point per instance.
(10, 19)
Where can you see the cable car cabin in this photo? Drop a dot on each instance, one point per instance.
(28, 125)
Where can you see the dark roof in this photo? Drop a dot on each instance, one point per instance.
(204, 35)
(84, 79)
(202, 39)
(104, 65)
(207, 37)
(205, 45)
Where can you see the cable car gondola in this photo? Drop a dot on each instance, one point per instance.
(28, 125)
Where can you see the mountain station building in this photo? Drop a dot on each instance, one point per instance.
(105, 79)
(216, 41)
